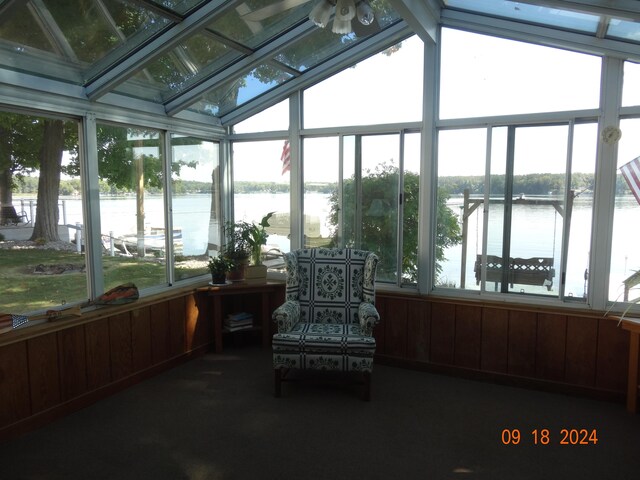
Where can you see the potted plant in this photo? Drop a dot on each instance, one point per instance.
(244, 244)
(257, 237)
(219, 267)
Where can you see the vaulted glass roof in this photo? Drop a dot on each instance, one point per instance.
(229, 58)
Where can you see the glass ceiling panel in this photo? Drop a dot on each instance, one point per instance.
(323, 44)
(624, 30)
(170, 74)
(92, 31)
(525, 12)
(66, 38)
(20, 29)
(254, 22)
(232, 94)
(178, 6)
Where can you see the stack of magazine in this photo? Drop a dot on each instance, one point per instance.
(238, 321)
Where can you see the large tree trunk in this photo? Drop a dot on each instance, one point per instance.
(214, 213)
(47, 215)
(6, 177)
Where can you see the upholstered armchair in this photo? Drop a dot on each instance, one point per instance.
(327, 320)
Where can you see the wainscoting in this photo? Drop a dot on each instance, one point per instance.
(53, 369)
(580, 352)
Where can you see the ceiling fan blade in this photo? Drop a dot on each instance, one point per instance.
(271, 10)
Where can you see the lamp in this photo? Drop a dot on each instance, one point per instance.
(345, 11)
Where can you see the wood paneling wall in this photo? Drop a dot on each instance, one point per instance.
(53, 373)
(580, 353)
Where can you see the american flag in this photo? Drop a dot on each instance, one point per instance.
(285, 158)
(631, 173)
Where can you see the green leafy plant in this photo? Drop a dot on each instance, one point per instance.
(219, 267)
(245, 240)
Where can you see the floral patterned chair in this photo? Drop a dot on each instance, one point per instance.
(327, 320)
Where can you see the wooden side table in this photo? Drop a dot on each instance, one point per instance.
(633, 326)
(243, 294)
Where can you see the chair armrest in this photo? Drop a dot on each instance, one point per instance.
(368, 316)
(286, 315)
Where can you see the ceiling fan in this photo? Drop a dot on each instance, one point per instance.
(350, 15)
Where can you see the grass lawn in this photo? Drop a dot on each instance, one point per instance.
(22, 289)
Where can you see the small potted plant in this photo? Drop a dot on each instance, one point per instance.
(237, 249)
(219, 267)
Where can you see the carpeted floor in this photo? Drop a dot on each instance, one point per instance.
(216, 418)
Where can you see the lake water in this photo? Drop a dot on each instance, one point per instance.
(532, 231)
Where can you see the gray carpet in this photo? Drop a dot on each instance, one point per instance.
(216, 418)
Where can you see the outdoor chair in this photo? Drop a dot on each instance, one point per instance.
(327, 320)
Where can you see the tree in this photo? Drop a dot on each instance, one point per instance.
(20, 138)
(51, 148)
(378, 230)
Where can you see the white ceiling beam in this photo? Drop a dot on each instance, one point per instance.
(421, 15)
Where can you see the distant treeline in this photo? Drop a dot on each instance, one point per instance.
(533, 184)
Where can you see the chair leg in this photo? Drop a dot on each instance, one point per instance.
(366, 391)
(277, 377)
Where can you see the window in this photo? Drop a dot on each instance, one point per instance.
(386, 88)
(523, 216)
(364, 205)
(260, 186)
(486, 76)
(625, 257)
(273, 118)
(321, 179)
(132, 216)
(195, 201)
(41, 215)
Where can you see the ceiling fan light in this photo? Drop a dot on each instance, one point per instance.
(345, 10)
(321, 13)
(341, 26)
(364, 12)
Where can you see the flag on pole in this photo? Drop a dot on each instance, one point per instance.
(285, 158)
(631, 173)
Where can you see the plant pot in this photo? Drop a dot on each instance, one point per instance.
(238, 273)
(218, 279)
(256, 274)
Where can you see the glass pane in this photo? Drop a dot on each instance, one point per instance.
(132, 206)
(631, 85)
(538, 207)
(482, 76)
(624, 30)
(410, 203)
(352, 98)
(583, 165)
(348, 234)
(321, 200)
(271, 119)
(180, 6)
(379, 202)
(238, 91)
(252, 26)
(43, 263)
(461, 170)
(521, 11)
(260, 186)
(196, 211)
(625, 255)
(174, 72)
(77, 36)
